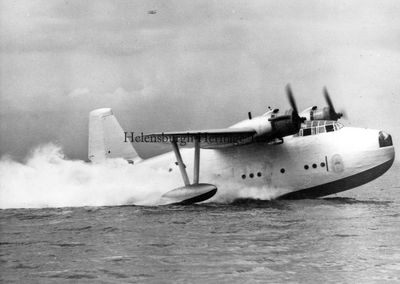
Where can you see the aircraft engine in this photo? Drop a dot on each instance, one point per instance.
(285, 125)
(271, 125)
(320, 114)
(326, 113)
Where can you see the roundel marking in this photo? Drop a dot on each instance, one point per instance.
(337, 163)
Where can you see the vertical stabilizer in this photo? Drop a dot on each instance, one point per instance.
(107, 138)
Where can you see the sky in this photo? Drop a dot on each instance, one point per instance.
(190, 65)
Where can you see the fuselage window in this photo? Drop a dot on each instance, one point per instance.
(282, 171)
(322, 164)
(259, 174)
(306, 167)
(314, 166)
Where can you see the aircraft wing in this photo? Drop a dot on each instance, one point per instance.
(209, 139)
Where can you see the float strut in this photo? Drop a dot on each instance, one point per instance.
(180, 163)
(196, 160)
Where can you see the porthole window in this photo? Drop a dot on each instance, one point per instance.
(243, 176)
(282, 171)
(322, 164)
(306, 167)
(251, 175)
(258, 174)
(314, 166)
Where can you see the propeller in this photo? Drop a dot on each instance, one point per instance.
(295, 113)
(333, 114)
(290, 122)
(291, 98)
(293, 104)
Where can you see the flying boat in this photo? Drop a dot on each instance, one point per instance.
(288, 155)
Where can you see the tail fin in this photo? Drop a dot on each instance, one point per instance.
(107, 138)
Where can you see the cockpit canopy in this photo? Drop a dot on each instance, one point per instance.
(319, 126)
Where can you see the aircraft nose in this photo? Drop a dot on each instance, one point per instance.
(385, 139)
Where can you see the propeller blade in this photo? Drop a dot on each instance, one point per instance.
(291, 98)
(328, 100)
(334, 115)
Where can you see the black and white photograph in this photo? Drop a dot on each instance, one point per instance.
(204, 141)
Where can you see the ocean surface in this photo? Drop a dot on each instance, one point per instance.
(352, 237)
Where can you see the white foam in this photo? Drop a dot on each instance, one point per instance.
(48, 179)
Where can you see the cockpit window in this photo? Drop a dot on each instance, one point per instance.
(319, 126)
(306, 131)
(314, 123)
(329, 128)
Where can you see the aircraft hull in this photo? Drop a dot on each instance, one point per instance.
(341, 184)
(301, 167)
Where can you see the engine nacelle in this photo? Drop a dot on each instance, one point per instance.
(271, 125)
(326, 113)
(285, 125)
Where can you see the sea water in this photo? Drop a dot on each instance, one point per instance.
(352, 237)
